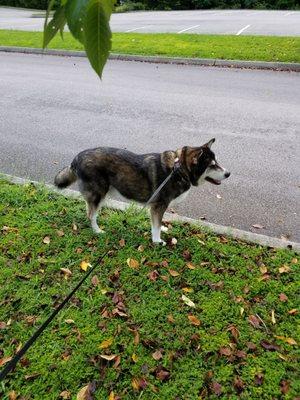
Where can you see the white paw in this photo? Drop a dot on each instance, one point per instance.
(97, 230)
(160, 241)
(164, 229)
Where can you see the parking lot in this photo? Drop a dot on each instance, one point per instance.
(221, 22)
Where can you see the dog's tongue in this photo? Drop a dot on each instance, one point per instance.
(213, 181)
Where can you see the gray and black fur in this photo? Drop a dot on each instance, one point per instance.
(137, 176)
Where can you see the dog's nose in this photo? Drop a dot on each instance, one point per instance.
(227, 174)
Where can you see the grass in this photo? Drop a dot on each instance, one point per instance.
(259, 48)
(228, 346)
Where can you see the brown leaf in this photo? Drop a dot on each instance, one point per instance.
(259, 379)
(258, 226)
(157, 355)
(95, 280)
(153, 275)
(141, 248)
(132, 263)
(238, 384)
(294, 311)
(60, 233)
(269, 346)
(2, 325)
(222, 239)
(251, 346)
(225, 351)
(108, 357)
(67, 273)
(69, 321)
(216, 388)
(187, 255)
(187, 290)
(170, 318)
(241, 354)
(12, 395)
(283, 297)
(66, 395)
(86, 393)
(33, 376)
(46, 240)
(288, 340)
(122, 242)
(234, 332)
(139, 383)
(284, 269)
(284, 386)
(174, 273)
(162, 373)
(254, 321)
(4, 360)
(194, 320)
(190, 265)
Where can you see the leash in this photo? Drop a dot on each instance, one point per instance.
(12, 363)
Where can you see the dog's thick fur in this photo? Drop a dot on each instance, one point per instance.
(136, 177)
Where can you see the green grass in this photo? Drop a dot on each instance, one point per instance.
(231, 281)
(259, 48)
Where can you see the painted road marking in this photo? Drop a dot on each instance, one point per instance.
(187, 29)
(135, 29)
(242, 30)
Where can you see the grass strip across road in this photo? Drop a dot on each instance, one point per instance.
(129, 328)
(253, 48)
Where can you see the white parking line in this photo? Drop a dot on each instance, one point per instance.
(187, 29)
(135, 29)
(242, 30)
(289, 13)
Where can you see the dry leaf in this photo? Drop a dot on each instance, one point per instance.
(66, 395)
(190, 265)
(294, 261)
(157, 355)
(173, 241)
(153, 275)
(187, 290)
(69, 321)
(134, 357)
(170, 318)
(108, 357)
(242, 311)
(254, 321)
(283, 269)
(216, 388)
(67, 273)
(95, 280)
(162, 373)
(258, 226)
(122, 242)
(111, 396)
(263, 269)
(106, 343)
(293, 311)
(194, 320)
(288, 340)
(174, 273)
(2, 325)
(187, 301)
(269, 346)
(283, 297)
(86, 393)
(225, 351)
(75, 227)
(141, 248)
(46, 240)
(273, 317)
(139, 383)
(60, 233)
(4, 360)
(84, 265)
(12, 395)
(132, 263)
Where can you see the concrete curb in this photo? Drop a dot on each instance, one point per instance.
(278, 66)
(218, 229)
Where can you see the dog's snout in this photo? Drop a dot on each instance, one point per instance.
(227, 174)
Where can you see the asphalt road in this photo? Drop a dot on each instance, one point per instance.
(53, 107)
(230, 22)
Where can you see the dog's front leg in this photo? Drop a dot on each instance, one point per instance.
(157, 211)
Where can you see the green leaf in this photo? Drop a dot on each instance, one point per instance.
(57, 23)
(97, 33)
(75, 14)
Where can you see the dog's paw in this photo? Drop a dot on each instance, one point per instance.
(98, 230)
(164, 229)
(160, 242)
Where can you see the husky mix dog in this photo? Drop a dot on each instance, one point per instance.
(104, 170)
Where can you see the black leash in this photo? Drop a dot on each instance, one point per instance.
(12, 363)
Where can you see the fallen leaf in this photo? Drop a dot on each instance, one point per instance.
(122, 242)
(12, 395)
(187, 290)
(263, 269)
(269, 346)
(288, 340)
(254, 321)
(67, 273)
(84, 265)
(46, 240)
(259, 379)
(293, 311)
(162, 373)
(240, 354)
(284, 386)
(134, 357)
(170, 318)
(222, 239)
(194, 320)
(136, 339)
(66, 395)
(33, 376)
(238, 384)
(283, 297)
(111, 396)
(3, 325)
(139, 383)
(258, 226)
(108, 357)
(132, 263)
(190, 265)
(234, 332)
(251, 346)
(225, 351)
(174, 273)
(284, 269)
(95, 280)
(294, 261)
(242, 311)
(106, 343)
(173, 241)
(86, 393)
(186, 255)
(273, 317)
(75, 227)
(141, 248)
(157, 355)
(60, 233)
(69, 321)
(187, 301)
(4, 360)
(216, 388)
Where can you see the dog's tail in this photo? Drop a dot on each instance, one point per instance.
(65, 178)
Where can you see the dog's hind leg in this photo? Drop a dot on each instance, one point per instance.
(157, 211)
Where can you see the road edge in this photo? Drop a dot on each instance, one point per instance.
(218, 229)
(265, 65)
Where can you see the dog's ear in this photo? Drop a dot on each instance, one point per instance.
(208, 144)
(196, 157)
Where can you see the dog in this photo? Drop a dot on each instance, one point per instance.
(101, 170)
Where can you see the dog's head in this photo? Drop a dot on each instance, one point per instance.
(202, 165)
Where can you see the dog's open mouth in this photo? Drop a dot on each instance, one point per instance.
(214, 181)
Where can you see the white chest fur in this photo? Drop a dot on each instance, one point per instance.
(180, 198)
